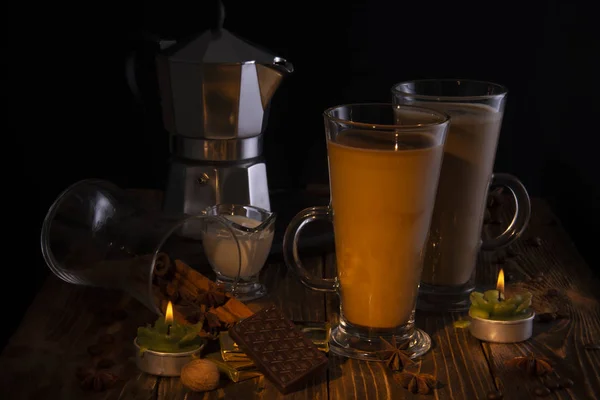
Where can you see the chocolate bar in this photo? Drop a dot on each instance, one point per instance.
(278, 348)
(317, 332)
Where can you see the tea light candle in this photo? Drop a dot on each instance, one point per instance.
(497, 319)
(163, 349)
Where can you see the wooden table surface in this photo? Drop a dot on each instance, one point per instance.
(65, 320)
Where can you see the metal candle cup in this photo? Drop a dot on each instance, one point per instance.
(497, 319)
(498, 331)
(164, 364)
(166, 335)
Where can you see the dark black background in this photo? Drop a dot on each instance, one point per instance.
(72, 116)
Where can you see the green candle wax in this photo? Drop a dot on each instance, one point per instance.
(169, 337)
(489, 305)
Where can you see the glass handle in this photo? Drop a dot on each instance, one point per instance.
(522, 212)
(290, 248)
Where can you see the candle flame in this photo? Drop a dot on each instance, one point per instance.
(169, 314)
(500, 284)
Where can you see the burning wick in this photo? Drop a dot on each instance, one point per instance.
(169, 317)
(500, 285)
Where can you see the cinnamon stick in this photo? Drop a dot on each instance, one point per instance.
(162, 266)
(191, 288)
(224, 316)
(237, 308)
(232, 311)
(196, 278)
(184, 281)
(187, 291)
(172, 290)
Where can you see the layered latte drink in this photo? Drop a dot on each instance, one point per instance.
(476, 110)
(455, 231)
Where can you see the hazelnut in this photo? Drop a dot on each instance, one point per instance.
(200, 375)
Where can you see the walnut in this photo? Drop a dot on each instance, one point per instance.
(200, 375)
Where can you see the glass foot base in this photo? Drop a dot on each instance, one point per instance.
(436, 299)
(244, 291)
(349, 345)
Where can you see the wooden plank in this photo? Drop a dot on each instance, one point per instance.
(64, 320)
(140, 387)
(352, 379)
(456, 360)
(298, 303)
(552, 263)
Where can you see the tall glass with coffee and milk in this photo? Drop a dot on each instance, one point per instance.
(476, 110)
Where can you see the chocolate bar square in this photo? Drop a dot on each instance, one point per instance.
(316, 332)
(278, 348)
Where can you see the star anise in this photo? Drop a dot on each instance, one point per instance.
(213, 297)
(212, 321)
(96, 380)
(536, 366)
(395, 357)
(416, 382)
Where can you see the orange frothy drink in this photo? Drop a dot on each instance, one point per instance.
(382, 190)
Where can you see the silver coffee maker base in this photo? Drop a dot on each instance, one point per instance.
(192, 187)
